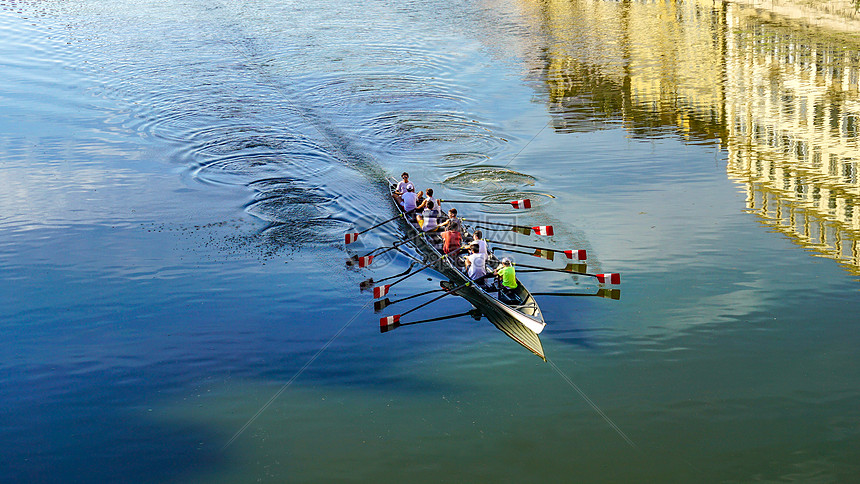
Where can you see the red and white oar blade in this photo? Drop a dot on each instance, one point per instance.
(545, 254)
(543, 229)
(524, 203)
(365, 261)
(609, 278)
(350, 238)
(576, 254)
(388, 323)
(380, 291)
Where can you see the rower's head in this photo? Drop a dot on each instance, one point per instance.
(475, 248)
(506, 262)
(405, 175)
(429, 192)
(479, 234)
(410, 188)
(452, 213)
(430, 205)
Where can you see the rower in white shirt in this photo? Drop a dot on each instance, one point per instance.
(428, 197)
(410, 199)
(402, 187)
(482, 244)
(428, 218)
(476, 263)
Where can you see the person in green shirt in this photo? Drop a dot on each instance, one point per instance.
(508, 281)
(507, 273)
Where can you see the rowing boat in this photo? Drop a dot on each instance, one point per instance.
(522, 321)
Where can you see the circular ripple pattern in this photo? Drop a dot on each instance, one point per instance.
(481, 179)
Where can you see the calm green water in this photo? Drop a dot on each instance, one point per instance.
(178, 177)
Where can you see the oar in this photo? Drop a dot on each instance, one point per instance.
(474, 313)
(524, 203)
(602, 292)
(380, 291)
(539, 229)
(368, 283)
(543, 254)
(365, 260)
(395, 320)
(352, 237)
(607, 278)
(579, 254)
(517, 229)
(384, 303)
(571, 267)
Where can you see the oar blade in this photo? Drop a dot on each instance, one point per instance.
(388, 323)
(544, 254)
(381, 291)
(524, 203)
(543, 230)
(576, 254)
(365, 261)
(521, 230)
(609, 278)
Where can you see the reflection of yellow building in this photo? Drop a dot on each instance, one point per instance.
(786, 107)
(793, 119)
(656, 66)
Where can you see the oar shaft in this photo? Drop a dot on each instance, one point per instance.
(407, 276)
(415, 295)
(500, 224)
(394, 246)
(475, 201)
(513, 250)
(447, 293)
(522, 245)
(380, 224)
(556, 270)
(440, 318)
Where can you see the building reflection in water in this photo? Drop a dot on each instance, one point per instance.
(783, 101)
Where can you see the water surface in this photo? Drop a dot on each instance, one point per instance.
(179, 176)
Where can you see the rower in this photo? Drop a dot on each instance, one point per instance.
(402, 187)
(476, 263)
(428, 197)
(453, 222)
(410, 199)
(427, 218)
(507, 281)
(482, 244)
(453, 232)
